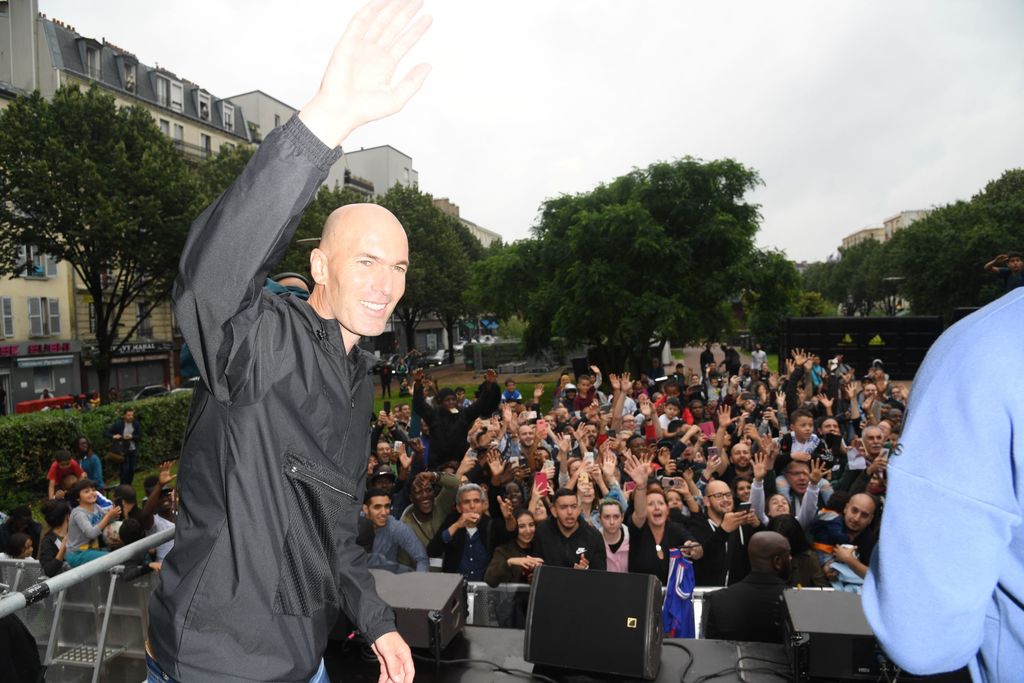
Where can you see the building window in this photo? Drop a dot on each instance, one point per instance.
(145, 328)
(177, 97)
(205, 144)
(92, 62)
(204, 106)
(163, 91)
(92, 318)
(38, 264)
(43, 316)
(229, 117)
(165, 127)
(42, 378)
(7, 316)
(179, 133)
(277, 120)
(129, 77)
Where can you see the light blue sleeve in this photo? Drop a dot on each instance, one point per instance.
(946, 578)
(809, 506)
(408, 542)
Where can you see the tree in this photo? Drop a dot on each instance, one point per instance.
(653, 255)
(773, 292)
(941, 257)
(102, 188)
(451, 298)
(436, 257)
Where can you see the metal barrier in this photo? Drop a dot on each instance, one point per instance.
(89, 622)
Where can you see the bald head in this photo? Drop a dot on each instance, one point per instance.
(769, 552)
(347, 221)
(359, 270)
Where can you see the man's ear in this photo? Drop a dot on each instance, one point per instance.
(318, 266)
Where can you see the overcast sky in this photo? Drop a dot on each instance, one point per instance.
(851, 111)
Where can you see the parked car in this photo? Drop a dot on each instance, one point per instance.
(439, 357)
(188, 385)
(141, 392)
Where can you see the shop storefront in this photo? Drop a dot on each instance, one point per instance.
(30, 370)
(134, 365)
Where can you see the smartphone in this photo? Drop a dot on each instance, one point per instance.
(712, 452)
(588, 457)
(396, 445)
(708, 428)
(542, 429)
(672, 482)
(743, 507)
(540, 481)
(530, 415)
(630, 485)
(387, 407)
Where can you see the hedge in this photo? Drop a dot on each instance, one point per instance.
(28, 442)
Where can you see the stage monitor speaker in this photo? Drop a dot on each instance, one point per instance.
(430, 608)
(619, 634)
(828, 637)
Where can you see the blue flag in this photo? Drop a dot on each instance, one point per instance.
(677, 612)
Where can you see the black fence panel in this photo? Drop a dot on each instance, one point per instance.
(900, 343)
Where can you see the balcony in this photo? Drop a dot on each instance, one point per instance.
(194, 153)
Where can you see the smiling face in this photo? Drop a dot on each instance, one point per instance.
(778, 505)
(525, 528)
(359, 269)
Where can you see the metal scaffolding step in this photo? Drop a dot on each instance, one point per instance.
(85, 656)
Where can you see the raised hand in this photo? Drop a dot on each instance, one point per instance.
(645, 406)
(638, 471)
(614, 379)
(165, 477)
(724, 417)
(818, 470)
(609, 464)
(626, 382)
(538, 391)
(506, 507)
(404, 456)
(357, 86)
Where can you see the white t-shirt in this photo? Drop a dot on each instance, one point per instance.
(159, 524)
(758, 359)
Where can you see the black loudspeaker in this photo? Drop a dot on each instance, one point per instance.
(430, 608)
(829, 637)
(567, 628)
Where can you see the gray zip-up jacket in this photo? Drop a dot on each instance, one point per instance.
(273, 467)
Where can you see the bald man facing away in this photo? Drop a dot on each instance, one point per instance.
(751, 610)
(273, 467)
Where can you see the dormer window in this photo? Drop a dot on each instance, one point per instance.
(163, 91)
(129, 77)
(92, 62)
(204, 106)
(229, 117)
(177, 97)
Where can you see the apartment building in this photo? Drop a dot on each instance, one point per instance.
(39, 53)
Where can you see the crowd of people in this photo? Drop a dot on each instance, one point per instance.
(611, 473)
(608, 473)
(84, 517)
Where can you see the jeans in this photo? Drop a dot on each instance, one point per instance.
(154, 674)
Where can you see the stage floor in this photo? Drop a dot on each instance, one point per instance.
(504, 647)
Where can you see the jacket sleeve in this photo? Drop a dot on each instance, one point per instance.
(420, 405)
(232, 245)
(48, 557)
(490, 399)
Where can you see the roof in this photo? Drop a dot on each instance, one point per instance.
(260, 92)
(68, 49)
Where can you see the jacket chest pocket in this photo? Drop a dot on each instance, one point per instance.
(317, 500)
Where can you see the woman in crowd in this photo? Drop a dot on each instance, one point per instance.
(512, 562)
(651, 534)
(19, 547)
(778, 504)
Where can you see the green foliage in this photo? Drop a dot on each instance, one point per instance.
(937, 262)
(218, 172)
(654, 254)
(28, 442)
(941, 257)
(102, 188)
(772, 292)
(811, 305)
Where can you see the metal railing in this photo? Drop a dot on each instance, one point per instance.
(89, 622)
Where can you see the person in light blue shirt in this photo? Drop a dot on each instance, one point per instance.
(945, 590)
(389, 535)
